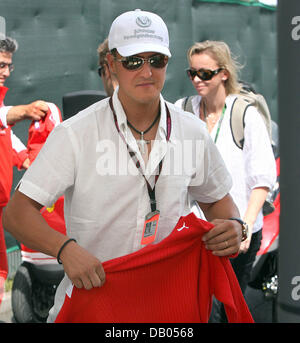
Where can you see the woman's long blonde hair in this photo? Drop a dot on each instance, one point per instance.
(221, 53)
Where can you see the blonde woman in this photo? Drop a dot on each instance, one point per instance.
(214, 74)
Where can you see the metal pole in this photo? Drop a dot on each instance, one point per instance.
(289, 124)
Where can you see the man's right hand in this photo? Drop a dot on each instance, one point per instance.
(36, 110)
(33, 111)
(23, 219)
(82, 268)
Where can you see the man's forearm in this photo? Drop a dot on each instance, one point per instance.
(33, 111)
(224, 238)
(221, 209)
(15, 114)
(22, 218)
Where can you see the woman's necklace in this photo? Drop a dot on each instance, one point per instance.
(213, 120)
(142, 142)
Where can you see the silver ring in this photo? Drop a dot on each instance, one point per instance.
(226, 242)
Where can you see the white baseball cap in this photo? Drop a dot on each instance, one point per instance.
(139, 31)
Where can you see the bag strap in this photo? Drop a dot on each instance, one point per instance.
(237, 116)
(187, 104)
(263, 108)
(237, 119)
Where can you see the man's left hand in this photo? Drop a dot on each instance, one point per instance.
(224, 238)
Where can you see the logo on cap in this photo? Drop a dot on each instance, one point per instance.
(143, 21)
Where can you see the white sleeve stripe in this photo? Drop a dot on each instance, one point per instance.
(16, 143)
(3, 113)
(55, 113)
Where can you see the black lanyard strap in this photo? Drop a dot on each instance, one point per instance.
(132, 154)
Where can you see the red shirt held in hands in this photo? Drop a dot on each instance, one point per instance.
(172, 281)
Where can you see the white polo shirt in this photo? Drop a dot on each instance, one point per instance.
(106, 197)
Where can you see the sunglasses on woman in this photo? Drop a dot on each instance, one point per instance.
(203, 74)
(135, 62)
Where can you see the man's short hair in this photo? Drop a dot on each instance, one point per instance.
(8, 45)
(102, 51)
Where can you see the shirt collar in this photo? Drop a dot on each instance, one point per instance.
(122, 119)
(163, 118)
(119, 111)
(3, 91)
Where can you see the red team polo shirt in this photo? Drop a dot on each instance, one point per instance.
(14, 153)
(11, 154)
(39, 131)
(172, 281)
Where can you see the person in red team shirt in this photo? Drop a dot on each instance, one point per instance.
(12, 150)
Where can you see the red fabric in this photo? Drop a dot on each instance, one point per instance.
(9, 157)
(270, 229)
(6, 162)
(39, 131)
(3, 259)
(172, 281)
(19, 158)
(6, 177)
(6, 166)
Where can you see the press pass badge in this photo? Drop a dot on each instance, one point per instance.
(150, 227)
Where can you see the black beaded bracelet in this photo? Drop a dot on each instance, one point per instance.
(62, 247)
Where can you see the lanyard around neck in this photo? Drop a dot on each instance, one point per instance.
(133, 156)
(220, 123)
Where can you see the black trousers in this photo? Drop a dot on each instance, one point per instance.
(242, 266)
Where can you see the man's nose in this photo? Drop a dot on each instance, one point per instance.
(146, 69)
(6, 71)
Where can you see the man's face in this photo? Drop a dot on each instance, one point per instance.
(5, 62)
(142, 85)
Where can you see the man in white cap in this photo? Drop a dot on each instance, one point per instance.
(119, 197)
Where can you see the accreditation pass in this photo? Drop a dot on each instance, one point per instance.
(150, 227)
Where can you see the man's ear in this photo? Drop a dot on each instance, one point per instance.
(111, 62)
(107, 73)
